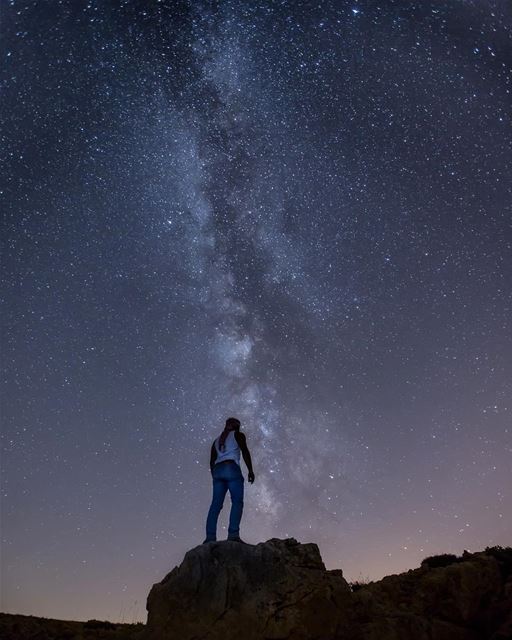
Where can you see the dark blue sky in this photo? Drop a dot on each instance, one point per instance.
(298, 214)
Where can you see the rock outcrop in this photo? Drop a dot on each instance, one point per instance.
(276, 589)
(281, 590)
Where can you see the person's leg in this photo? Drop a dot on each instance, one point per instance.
(236, 491)
(220, 486)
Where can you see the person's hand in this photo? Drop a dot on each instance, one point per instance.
(250, 477)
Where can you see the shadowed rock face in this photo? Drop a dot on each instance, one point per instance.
(280, 590)
(275, 589)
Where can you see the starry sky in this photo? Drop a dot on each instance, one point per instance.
(295, 213)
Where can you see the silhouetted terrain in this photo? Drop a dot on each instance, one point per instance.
(281, 590)
(19, 627)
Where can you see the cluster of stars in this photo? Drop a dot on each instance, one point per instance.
(298, 215)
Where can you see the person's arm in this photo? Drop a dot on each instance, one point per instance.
(242, 443)
(213, 456)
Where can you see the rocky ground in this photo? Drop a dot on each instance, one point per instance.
(281, 590)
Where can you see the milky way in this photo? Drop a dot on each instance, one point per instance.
(295, 213)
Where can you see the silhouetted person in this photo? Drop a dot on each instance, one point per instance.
(227, 476)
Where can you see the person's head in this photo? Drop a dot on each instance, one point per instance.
(232, 424)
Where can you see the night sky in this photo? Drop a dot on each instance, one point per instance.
(295, 213)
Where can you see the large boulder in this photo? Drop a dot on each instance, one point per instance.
(276, 589)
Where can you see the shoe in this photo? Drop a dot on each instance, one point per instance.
(206, 540)
(237, 539)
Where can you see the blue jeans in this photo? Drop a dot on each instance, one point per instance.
(226, 476)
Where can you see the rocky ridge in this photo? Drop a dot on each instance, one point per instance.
(281, 590)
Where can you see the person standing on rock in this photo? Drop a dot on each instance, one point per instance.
(227, 476)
